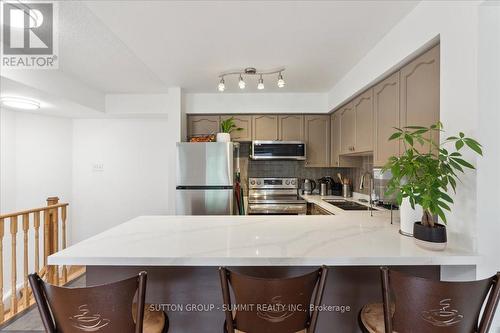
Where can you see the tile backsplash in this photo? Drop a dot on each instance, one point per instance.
(284, 168)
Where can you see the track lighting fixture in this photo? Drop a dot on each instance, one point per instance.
(251, 71)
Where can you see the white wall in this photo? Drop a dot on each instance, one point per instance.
(134, 179)
(35, 155)
(256, 103)
(35, 163)
(143, 104)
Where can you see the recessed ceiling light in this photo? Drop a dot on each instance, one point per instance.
(20, 103)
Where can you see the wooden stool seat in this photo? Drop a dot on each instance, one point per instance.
(372, 317)
(154, 321)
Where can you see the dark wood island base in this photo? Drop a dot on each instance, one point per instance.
(192, 296)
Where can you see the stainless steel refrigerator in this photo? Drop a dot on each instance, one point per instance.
(205, 178)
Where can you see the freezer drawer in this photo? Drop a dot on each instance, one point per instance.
(204, 201)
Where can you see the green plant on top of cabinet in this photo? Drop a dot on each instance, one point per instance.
(419, 93)
(202, 125)
(386, 118)
(265, 127)
(317, 139)
(363, 111)
(243, 122)
(291, 127)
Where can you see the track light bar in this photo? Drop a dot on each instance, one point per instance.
(251, 71)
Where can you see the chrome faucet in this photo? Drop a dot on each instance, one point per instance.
(362, 182)
(362, 186)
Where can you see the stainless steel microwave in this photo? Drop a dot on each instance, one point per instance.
(278, 150)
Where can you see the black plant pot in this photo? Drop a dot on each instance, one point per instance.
(431, 238)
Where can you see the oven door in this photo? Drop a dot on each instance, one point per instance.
(278, 150)
(277, 209)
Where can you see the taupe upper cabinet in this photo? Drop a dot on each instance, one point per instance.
(265, 127)
(244, 122)
(347, 129)
(419, 94)
(201, 125)
(336, 160)
(291, 127)
(363, 110)
(386, 116)
(335, 143)
(317, 139)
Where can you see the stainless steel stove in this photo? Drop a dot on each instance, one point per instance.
(275, 196)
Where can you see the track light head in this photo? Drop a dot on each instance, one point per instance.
(260, 86)
(241, 83)
(222, 85)
(281, 81)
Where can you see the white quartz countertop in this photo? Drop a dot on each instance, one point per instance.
(348, 239)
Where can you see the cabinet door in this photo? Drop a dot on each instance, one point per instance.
(291, 128)
(347, 129)
(202, 125)
(336, 160)
(363, 110)
(335, 142)
(317, 138)
(265, 127)
(386, 114)
(244, 122)
(420, 91)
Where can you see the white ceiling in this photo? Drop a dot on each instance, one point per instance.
(146, 46)
(114, 46)
(52, 105)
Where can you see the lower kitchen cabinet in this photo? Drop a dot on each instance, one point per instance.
(317, 139)
(265, 127)
(313, 209)
(244, 122)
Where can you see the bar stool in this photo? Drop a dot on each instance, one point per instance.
(272, 305)
(105, 308)
(423, 305)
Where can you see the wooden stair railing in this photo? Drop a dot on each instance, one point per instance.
(54, 238)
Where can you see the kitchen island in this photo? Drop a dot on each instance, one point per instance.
(182, 253)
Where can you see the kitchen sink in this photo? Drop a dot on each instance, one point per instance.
(347, 205)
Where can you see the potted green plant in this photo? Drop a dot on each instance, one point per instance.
(424, 174)
(226, 127)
